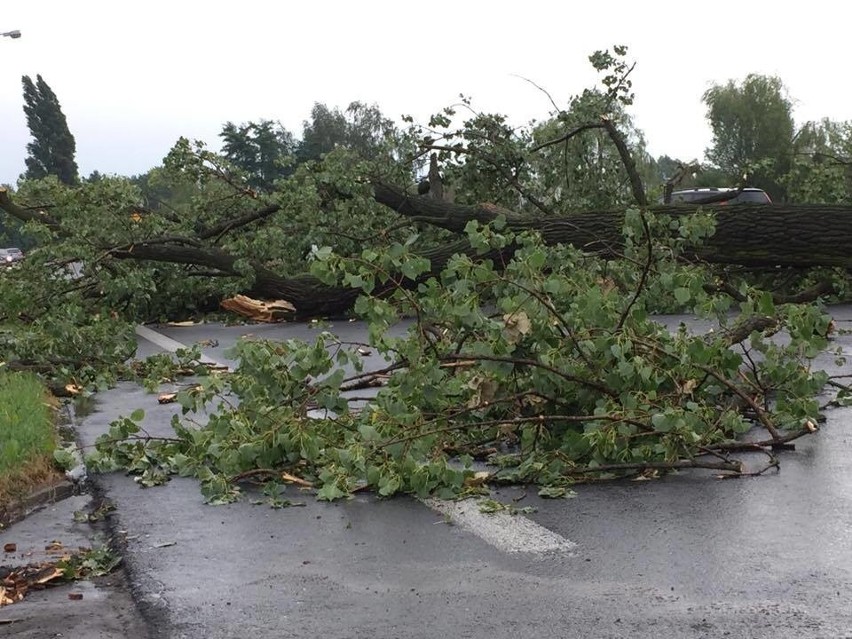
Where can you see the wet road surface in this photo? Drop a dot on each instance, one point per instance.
(686, 556)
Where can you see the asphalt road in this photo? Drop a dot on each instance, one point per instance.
(102, 608)
(686, 556)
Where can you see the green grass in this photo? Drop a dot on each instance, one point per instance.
(27, 434)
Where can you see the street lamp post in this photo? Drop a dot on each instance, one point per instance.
(11, 34)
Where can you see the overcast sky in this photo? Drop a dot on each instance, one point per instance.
(133, 77)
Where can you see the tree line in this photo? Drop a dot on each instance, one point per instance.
(756, 142)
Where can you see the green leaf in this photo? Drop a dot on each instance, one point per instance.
(554, 492)
(330, 492)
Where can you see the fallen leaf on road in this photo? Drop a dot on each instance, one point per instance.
(477, 479)
(10, 547)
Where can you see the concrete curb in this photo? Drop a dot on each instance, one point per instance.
(50, 494)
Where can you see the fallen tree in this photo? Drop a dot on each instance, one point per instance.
(547, 367)
(532, 343)
(797, 236)
(533, 348)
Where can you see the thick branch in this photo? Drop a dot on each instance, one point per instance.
(627, 161)
(229, 225)
(25, 215)
(751, 235)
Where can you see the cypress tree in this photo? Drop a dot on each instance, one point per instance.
(53, 147)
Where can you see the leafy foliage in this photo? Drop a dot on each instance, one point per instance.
(550, 368)
(545, 167)
(361, 129)
(821, 167)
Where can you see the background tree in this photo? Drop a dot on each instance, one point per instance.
(753, 129)
(263, 150)
(325, 129)
(361, 128)
(53, 147)
(821, 169)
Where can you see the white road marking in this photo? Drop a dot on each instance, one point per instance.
(509, 533)
(171, 345)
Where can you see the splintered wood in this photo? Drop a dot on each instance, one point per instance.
(260, 310)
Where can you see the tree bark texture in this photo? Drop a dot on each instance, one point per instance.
(746, 234)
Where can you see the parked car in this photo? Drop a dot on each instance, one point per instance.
(10, 255)
(717, 196)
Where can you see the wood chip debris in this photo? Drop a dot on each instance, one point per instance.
(66, 564)
(16, 582)
(260, 310)
(293, 479)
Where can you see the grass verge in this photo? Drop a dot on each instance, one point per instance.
(27, 436)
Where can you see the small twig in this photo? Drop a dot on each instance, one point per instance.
(733, 466)
(293, 479)
(779, 443)
(646, 269)
(758, 410)
(542, 89)
(567, 136)
(250, 474)
(530, 362)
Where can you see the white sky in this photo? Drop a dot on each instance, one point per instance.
(134, 76)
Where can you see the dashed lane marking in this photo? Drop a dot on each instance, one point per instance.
(171, 345)
(509, 533)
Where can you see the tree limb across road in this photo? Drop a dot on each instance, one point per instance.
(800, 236)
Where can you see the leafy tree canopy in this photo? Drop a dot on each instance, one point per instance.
(821, 170)
(753, 130)
(262, 150)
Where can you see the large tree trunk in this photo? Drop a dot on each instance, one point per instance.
(746, 234)
(750, 235)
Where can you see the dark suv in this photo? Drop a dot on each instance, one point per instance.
(718, 196)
